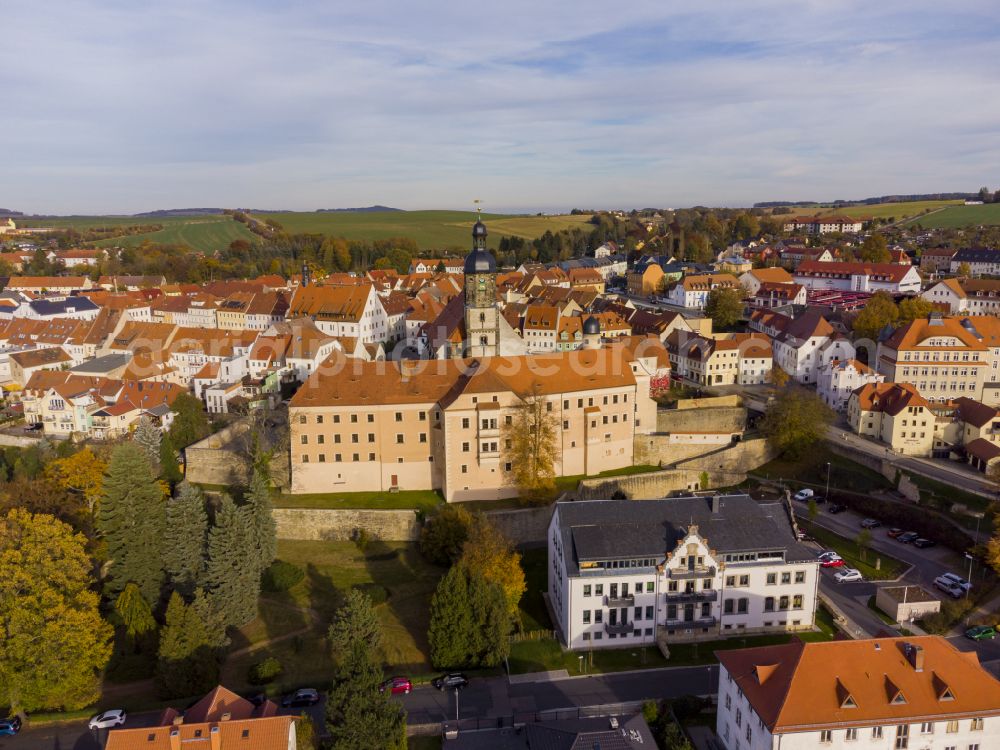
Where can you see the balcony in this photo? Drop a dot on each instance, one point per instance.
(686, 574)
(620, 628)
(619, 601)
(687, 597)
(697, 622)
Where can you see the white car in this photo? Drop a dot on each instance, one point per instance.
(847, 575)
(828, 555)
(112, 718)
(957, 580)
(803, 495)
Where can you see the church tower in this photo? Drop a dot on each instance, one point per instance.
(482, 317)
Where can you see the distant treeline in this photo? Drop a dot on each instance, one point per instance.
(872, 201)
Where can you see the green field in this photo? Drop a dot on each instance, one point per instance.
(888, 210)
(430, 229)
(956, 217)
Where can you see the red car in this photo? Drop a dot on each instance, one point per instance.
(832, 562)
(893, 533)
(396, 685)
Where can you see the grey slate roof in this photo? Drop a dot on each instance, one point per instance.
(628, 529)
(103, 364)
(977, 255)
(62, 307)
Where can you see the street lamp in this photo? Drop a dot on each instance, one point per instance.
(828, 481)
(970, 558)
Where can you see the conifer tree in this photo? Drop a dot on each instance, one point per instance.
(185, 539)
(450, 633)
(134, 611)
(204, 604)
(491, 623)
(263, 532)
(233, 573)
(132, 518)
(187, 665)
(147, 436)
(170, 470)
(355, 627)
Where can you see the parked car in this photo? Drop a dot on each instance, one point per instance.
(831, 562)
(301, 698)
(113, 718)
(803, 495)
(871, 523)
(949, 587)
(922, 543)
(10, 726)
(450, 681)
(893, 533)
(981, 633)
(957, 580)
(836, 508)
(847, 575)
(908, 537)
(396, 685)
(828, 553)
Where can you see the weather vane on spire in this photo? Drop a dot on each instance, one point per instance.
(479, 208)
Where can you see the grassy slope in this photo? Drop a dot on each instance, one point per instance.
(430, 229)
(886, 210)
(955, 217)
(206, 234)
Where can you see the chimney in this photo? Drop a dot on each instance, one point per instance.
(226, 716)
(716, 503)
(215, 736)
(178, 720)
(917, 658)
(175, 739)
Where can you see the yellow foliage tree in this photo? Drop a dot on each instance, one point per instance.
(530, 446)
(83, 472)
(489, 554)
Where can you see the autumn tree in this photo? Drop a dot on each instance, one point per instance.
(185, 539)
(724, 306)
(134, 611)
(82, 472)
(875, 249)
(530, 446)
(132, 520)
(795, 421)
(880, 311)
(489, 554)
(444, 534)
(55, 644)
(187, 664)
(913, 308)
(233, 571)
(778, 376)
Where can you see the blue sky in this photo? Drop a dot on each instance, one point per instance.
(118, 106)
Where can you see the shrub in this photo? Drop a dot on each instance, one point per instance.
(281, 576)
(651, 712)
(378, 594)
(361, 539)
(265, 671)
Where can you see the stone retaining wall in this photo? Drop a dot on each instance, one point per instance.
(319, 524)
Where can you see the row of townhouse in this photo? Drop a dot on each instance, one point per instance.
(978, 261)
(823, 224)
(894, 278)
(965, 296)
(723, 359)
(691, 292)
(804, 345)
(443, 424)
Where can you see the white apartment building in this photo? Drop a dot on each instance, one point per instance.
(624, 573)
(913, 693)
(823, 224)
(858, 277)
(343, 311)
(838, 379)
(744, 359)
(692, 291)
(980, 261)
(802, 346)
(965, 296)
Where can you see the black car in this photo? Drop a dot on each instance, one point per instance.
(301, 698)
(836, 508)
(450, 681)
(908, 538)
(921, 542)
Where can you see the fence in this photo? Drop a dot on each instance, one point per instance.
(533, 635)
(521, 718)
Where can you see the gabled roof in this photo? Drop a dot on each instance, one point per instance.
(336, 303)
(775, 275)
(975, 413)
(844, 683)
(889, 398)
(975, 332)
(892, 272)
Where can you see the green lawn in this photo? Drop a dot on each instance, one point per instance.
(848, 549)
(331, 569)
(886, 210)
(811, 469)
(430, 229)
(425, 500)
(424, 743)
(956, 217)
(944, 495)
(534, 614)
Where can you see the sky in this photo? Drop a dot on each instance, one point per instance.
(117, 106)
